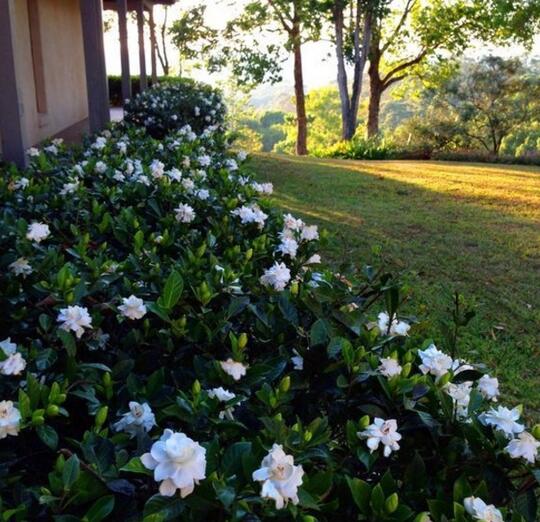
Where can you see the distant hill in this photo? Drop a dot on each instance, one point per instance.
(273, 98)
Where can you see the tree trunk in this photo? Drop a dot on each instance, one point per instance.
(346, 131)
(375, 93)
(300, 99)
(376, 88)
(349, 105)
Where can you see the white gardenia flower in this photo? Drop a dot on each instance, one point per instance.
(231, 164)
(461, 395)
(174, 174)
(8, 347)
(188, 184)
(525, 446)
(10, 417)
(389, 367)
(100, 143)
(184, 213)
(221, 394)
(69, 188)
(277, 276)
(122, 147)
(280, 477)
(381, 431)
(32, 151)
(250, 214)
(242, 155)
(235, 369)
(132, 307)
(489, 387)
(157, 168)
(204, 160)
(503, 419)
(396, 327)
(309, 233)
(13, 365)
(75, 318)
(37, 232)
(288, 246)
(178, 462)
(100, 167)
(263, 188)
(479, 510)
(434, 361)
(202, 194)
(315, 259)
(292, 223)
(21, 266)
(139, 418)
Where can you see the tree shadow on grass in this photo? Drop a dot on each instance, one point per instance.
(481, 246)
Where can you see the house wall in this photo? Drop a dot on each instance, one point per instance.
(64, 69)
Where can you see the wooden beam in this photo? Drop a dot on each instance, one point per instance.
(94, 55)
(142, 54)
(121, 8)
(11, 131)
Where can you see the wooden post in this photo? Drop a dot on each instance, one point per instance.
(142, 55)
(11, 132)
(153, 43)
(94, 57)
(121, 9)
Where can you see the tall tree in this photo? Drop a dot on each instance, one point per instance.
(297, 21)
(161, 43)
(407, 33)
(410, 32)
(352, 21)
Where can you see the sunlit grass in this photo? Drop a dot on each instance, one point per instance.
(474, 228)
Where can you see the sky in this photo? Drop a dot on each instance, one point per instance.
(319, 64)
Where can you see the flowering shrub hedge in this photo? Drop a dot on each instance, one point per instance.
(173, 349)
(171, 105)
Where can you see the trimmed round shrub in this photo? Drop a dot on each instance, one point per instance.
(173, 349)
(171, 105)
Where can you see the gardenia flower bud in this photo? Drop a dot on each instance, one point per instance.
(434, 361)
(280, 477)
(178, 462)
(75, 318)
(503, 419)
(298, 361)
(235, 369)
(277, 276)
(184, 213)
(10, 418)
(396, 327)
(133, 308)
(37, 232)
(389, 367)
(479, 510)
(489, 387)
(525, 446)
(384, 432)
(138, 418)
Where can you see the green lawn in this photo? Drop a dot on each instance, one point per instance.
(449, 226)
